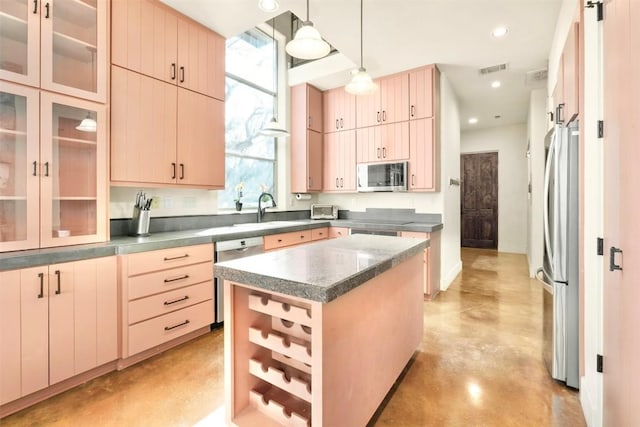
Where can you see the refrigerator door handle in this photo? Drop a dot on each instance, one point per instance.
(545, 210)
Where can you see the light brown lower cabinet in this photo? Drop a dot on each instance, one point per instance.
(167, 298)
(431, 262)
(58, 328)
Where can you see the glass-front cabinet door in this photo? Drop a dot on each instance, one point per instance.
(19, 168)
(73, 171)
(20, 41)
(73, 36)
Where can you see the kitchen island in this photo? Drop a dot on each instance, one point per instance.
(316, 335)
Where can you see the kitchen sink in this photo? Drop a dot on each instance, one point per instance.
(270, 224)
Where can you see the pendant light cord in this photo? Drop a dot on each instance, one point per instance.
(307, 11)
(275, 60)
(361, 43)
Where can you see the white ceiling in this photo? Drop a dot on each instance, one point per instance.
(403, 34)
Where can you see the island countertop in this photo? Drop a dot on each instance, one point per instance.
(322, 271)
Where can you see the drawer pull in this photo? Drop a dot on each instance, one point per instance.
(41, 277)
(184, 276)
(184, 298)
(58, 291)
(168, 328)
(176, 257)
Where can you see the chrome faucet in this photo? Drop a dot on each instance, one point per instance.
(261, 210)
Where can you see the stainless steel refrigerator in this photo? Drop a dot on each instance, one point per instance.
(560, 269)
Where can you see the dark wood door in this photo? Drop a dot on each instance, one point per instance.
(479, 200)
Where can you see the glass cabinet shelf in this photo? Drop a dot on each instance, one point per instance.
(78, 11)
(71, 47)
(12, 132)
(75, 198)
(13, 27)
(13, 198)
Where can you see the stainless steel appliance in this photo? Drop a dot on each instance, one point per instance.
(374, 232)
(560, 268)
(382, 176)
(227, 251)
(324, 211)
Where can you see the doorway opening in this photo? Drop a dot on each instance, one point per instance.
(479, 200)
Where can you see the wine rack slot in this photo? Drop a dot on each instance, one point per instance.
(281, 407)
(286, 345)
(286, 360)
(289, 328)
(283, 310)
(284, 379)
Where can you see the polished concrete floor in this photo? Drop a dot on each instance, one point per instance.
(479, 364)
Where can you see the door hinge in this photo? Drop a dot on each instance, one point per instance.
(600, 128)
(599, 9)
(599, 363)
(600, 246)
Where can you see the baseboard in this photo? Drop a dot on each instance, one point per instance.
(589, 397)
(448, 279)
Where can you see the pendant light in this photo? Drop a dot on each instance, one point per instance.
(273, 128)
(308, 43)
(268, 5)
(361, 82)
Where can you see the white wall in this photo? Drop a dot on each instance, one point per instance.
(445, 202)
(536, 131)
(566, 16)
(511, 144)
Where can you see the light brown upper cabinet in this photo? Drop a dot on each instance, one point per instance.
(59, 45)
(389, 104)
(152, 39)
(571, 75)
(423, 165)
(340, 162)
(339, 110)
(384, 143)
(306, 139)
(421, 92)
(162, 134)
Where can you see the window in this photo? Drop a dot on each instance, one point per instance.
(249, 99)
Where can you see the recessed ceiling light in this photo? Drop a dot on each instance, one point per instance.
(496, 84)
(499, 32)
(473, 120)
(268, 5)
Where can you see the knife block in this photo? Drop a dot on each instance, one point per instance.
(139, 225)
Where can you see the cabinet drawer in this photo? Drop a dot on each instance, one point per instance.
(162, 281)
(145, 262)
(335, 232)
(156, 305)
(276, 241)
(319, 233)
(149, 333)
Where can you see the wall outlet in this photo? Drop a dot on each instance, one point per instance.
(155, 203)
(167, 203)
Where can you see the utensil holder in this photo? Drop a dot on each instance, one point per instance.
(139, 225)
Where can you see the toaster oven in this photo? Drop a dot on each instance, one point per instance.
(324, 211)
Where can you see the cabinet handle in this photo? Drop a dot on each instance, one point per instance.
(168, 328)
(46, 168)
(384, 152)
(310, 182)
(378, 151)
(173, 167)
(41, 276)
(181, 170)
(560, 114)
(341, 182)
(175, 279)
(182, 74)
(413, 111)
(35, 168)
(35, 6)
(337, 124)
(413, 179)
(612, 259)
(341, 123)
(173, 71)
(57, 272)
(378, 117)
(46, 8)
(176, 257)
(384, 115)
(337, 183)
(184, 298)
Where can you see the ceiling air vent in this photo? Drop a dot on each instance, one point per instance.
(493, 69)
(536, 76)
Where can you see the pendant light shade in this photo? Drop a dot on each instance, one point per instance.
(88, 125)
(274, 128)
(308, 43)
(361, 82)
(268, 5)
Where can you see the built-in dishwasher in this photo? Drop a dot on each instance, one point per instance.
(226, 251)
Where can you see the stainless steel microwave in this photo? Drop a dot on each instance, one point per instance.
(382, 176)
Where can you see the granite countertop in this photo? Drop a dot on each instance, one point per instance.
(163, 240)
(324, 270)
